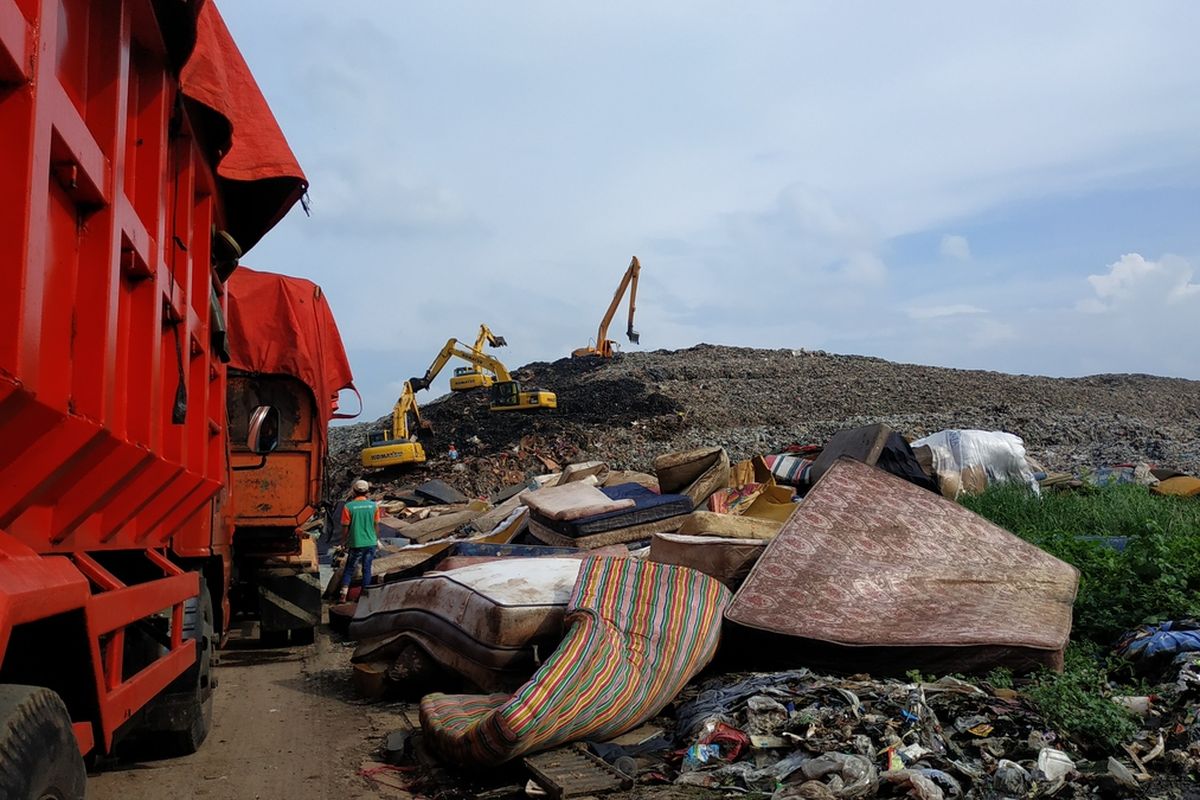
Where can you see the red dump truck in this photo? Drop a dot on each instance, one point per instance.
(138, 160)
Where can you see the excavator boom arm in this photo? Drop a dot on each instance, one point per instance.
(406, 403)
(470, 356)
(629, 278)
(636, 269)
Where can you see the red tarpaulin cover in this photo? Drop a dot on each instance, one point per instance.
(280, 325)
(260, 177)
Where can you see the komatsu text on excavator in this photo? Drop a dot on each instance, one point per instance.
(397, 444)
(507, 394)
(605, 347)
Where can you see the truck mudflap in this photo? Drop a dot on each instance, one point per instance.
(289, 593)
(288, 600)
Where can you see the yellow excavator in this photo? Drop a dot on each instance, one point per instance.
(473, 377)
(604, 346)
(507, 394)
(395, 445)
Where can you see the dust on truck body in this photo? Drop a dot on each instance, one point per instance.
(137, 158)
(286, 354)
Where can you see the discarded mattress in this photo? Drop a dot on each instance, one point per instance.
(877, 445)
(873, 572)
(695, 473)
(727, 560)
(572, 501)
(644, 506)
(639, 632)
(597, 541)
(650, 513)
(706, 523)
(483, 621)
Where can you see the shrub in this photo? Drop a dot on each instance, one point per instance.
(1156, 576)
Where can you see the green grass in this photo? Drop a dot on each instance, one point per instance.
(1076, 703)
(1156, 577)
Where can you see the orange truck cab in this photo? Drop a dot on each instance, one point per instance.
(138, 160)
(287, 355)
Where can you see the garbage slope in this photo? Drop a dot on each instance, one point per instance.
(631, 408)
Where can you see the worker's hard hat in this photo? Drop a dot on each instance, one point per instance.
(361, 486)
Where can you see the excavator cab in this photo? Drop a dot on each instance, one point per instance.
(468, 378)
(393, 445)
(508, 396)
(382, 452)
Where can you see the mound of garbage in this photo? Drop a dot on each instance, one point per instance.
(631, 408)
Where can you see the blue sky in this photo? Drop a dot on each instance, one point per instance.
(1010, 188)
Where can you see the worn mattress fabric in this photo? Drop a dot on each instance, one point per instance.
(643, 506)
(727, 560)
(500, 604)
(573, 501)
(695, 473)
(595, 541)
(490, 669)
(869, 560)
(639, 632)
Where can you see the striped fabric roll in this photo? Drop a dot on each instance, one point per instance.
(639, 632)
(789, 469)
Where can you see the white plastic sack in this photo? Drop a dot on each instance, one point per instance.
(971, 461)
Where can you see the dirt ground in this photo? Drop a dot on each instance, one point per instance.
(287, 725)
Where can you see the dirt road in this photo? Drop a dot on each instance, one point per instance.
(287, 726)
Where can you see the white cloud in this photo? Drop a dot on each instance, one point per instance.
(956, 247)
(936, 312)
(863, 269)
(1133, 282)
(467, 158)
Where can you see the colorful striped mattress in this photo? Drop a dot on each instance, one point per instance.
(639, 632)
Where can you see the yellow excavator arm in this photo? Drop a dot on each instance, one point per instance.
(507, 394)
(395, 445)
(473, 377)
(451, 350)
(487, 337)
(604, 346)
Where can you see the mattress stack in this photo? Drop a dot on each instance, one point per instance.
(638, 514)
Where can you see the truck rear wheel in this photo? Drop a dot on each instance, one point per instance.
(179, 720)
(39, 756)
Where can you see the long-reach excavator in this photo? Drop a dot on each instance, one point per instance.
(507, 394)
(395, 445)
(604, 346)
(473, 377)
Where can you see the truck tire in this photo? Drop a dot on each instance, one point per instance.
(39, 756)
(178, 721)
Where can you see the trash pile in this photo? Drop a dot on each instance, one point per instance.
(629, 409)
(549, 624)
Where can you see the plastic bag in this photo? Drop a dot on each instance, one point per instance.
(971, 461)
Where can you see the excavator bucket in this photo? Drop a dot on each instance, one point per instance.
(499, 341)
(633, 335)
